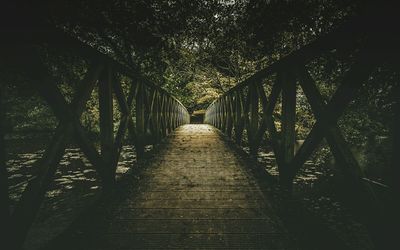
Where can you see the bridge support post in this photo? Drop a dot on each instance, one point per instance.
(140, 120)
(163, 118)
(107, 125)
(253, 121)
(229, 117)
(155, 116)
(238, 117)
(288, 130)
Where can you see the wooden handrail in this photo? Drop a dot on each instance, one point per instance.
(157, 114)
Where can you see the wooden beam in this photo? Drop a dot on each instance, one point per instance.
(153, 116)
(288, 128)
(335, 139)
(131, 123)
(32, 197)
(245, 113)
(140, 120)
(223, 114)
(238, 117)
(229, 122)
(346, 92)
(163, 125)
(107, 125)
(254, 119)
(268, 122)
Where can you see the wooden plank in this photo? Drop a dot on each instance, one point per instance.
(131, 123)
(140, 120)
(154, 118)
(223, 114)
(216, 114)
(125, 106)
(335, 139)
(254, 119)
(239, 121)
(107, 124)
(54, 98)
(32, 197)
(245, 114)
(157, 116)
(120, 96)
(268, 120)
(346, 92)
(147, 113)
(183, 209)
(168, 114)
(162, 116)
(229, 122)
(288, 128)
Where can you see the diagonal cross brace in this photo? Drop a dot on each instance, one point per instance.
(267, 122)
(346, 92)
(33, 195)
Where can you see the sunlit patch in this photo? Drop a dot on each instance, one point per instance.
(53, 193)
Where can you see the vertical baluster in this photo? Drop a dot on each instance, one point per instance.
(140, 120)
(169, 112)
(288, 128)
(157, 116)
(223, 114)
(254, 120)
(229, 115)
(107, 124)
(153, 116)
(239, 117)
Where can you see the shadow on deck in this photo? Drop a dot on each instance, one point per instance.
(194, 193)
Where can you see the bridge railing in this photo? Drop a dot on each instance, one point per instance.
(147, 114)
(249, 108)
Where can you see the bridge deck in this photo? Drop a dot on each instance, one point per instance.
(195, 194)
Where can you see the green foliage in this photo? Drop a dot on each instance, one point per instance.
(197, 50)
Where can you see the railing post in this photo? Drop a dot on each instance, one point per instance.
(253, 126)
(155, 111)
(229, 117)
(223, 114)
(140, 120)
(163, 119)
(238, 117)
(107, 125)
(169, 115)
(288, 129)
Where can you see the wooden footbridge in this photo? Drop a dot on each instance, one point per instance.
(196, 192)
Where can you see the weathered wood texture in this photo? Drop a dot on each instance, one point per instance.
(250, 97)
(151, 119)
(194, 194)
(283, 77)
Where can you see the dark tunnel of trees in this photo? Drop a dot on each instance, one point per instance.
(198, 50)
